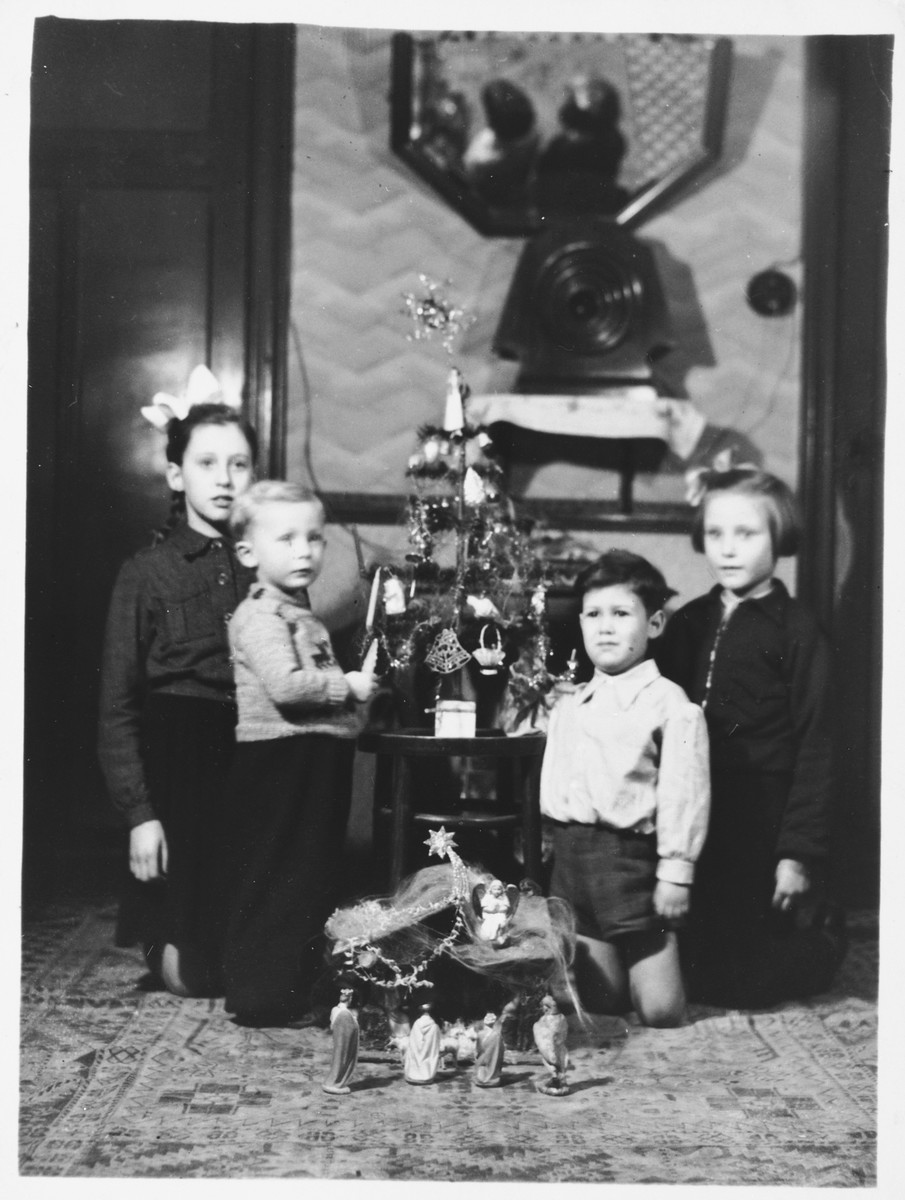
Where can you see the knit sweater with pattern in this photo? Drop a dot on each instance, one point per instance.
(288, 681)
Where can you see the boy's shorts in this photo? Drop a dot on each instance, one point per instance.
(608, 876)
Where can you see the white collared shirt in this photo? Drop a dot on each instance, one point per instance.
(630, 751)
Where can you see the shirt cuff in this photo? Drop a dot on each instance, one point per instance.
(338, 690)
(676, 870)
(140, 813)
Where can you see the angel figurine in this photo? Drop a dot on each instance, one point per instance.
(495, 904)
(550, 1031)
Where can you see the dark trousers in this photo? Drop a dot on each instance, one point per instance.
(187, 749)
(287, 806)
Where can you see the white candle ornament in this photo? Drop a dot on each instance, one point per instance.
(372, 603)
(473, 488)
(454, 417)
(393, 596)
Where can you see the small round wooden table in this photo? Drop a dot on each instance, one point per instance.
(517, 762)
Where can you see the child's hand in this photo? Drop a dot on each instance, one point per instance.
(363, 683)
(370, 660)
(148, 851)
(792, 881)
(361, 686)
(671, 900)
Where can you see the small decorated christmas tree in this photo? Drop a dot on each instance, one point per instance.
(465, 618)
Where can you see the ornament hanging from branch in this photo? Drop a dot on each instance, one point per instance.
(473, 488)
(394, 603)
(490, 658)
(447, 654)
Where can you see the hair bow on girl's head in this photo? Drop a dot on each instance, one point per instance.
(696, 480)
(696, 485)
(203, 386)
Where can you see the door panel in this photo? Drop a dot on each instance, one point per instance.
(154, 201)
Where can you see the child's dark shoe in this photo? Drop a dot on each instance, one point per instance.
(315, 1018)
(150, 982)
(283, 1019)
(264, 1018)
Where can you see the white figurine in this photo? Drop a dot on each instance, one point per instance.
(490, 1053)
(344, 1028)
(495, 905)
(550, 1032)
(422, 1051)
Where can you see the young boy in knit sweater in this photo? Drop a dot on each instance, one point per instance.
(288, 798)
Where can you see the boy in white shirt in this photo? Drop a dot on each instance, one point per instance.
(625, 783)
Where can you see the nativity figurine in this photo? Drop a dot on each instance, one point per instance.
(550, 1032)
(344, 1030)
(489, 1054)
(494, 905)
(421, 1063)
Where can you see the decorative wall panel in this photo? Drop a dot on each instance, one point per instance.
(364, 227)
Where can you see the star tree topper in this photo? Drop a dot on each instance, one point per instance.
(434, 313)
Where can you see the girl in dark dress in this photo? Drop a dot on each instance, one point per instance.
(167, 707)
(757, 663)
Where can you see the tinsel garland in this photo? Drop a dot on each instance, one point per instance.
(363, 954)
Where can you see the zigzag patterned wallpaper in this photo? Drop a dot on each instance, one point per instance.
(364, 227)
(363, 230)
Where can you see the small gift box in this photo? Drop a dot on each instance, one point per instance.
(455, 718)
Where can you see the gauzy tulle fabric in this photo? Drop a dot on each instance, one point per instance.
(376, 935)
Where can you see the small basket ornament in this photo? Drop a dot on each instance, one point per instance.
(489, 658)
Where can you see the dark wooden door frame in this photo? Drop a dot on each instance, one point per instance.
(840, 569)
(269, 282)
(268, 53)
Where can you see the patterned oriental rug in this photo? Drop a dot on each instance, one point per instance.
(120, 1082)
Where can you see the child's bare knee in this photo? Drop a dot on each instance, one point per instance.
(600, 977)
(663, 1015)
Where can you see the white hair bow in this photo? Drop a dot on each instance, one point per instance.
(697, 479)
(203, 386)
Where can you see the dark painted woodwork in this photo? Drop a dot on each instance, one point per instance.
(372, 508)
(844, 384)
(160, 186)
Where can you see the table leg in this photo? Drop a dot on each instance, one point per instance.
(529, 770)
(383, 803)
(399, 824)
